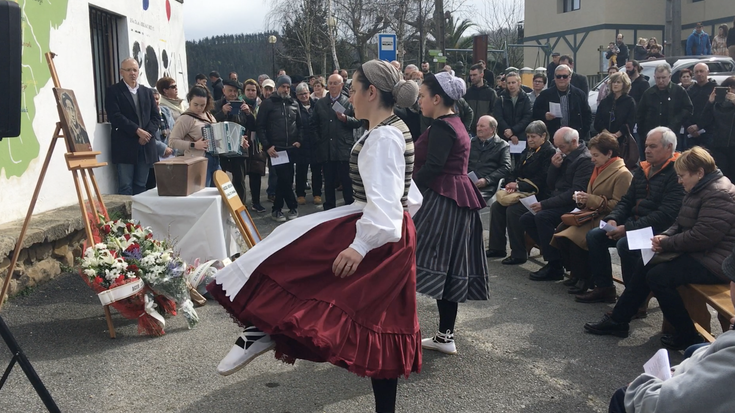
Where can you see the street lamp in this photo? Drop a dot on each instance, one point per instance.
(272, 40)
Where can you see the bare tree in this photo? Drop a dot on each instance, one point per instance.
(501, 19)
(303, 24)
(361, 20)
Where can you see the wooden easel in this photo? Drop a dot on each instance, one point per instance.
(81, 165)
(239, 212)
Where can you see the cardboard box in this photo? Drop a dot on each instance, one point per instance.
(180, 176)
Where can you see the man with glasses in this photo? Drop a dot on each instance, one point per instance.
(539, 83)
(564, 105)
(133, 116)
(333, 123)
(666, 104)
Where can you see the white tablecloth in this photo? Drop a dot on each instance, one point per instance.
(199, 225)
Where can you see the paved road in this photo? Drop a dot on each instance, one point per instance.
(523, 350)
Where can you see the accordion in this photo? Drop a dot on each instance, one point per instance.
(224, 138)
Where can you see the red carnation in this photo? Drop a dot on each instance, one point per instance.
(130, 226)
(132, 247)
(106, 229)
(127, 237)
(98, 280)
(120, 278)
(149, 236)
(133, 268)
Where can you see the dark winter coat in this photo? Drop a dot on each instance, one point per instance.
(623, 114)
(307, 137)
(637, 88)
(668, 107)
(333, 139)
(482, 101)
(489, 160)
(123, 117)
(514, 117)
(573, 175)
(640, 52)
(580, 114)
(705, 226)
(720, 118)
(652, 200)
(534, 168)
(278, 123)
(699, 96)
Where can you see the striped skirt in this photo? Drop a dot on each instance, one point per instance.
(450, 256)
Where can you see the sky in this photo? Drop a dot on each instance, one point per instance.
(204, 18)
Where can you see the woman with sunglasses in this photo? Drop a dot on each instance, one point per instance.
(169, 91)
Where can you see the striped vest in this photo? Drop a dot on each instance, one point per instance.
(357, 185)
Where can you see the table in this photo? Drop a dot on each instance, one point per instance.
(199, 225)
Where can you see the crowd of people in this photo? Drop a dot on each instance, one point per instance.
(373, 135)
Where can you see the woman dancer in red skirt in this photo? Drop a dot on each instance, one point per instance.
(340, 285)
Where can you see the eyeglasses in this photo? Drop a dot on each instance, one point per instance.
(173, 87)
(302, 94)
(562, 76)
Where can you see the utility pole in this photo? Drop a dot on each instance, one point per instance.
(672, 32)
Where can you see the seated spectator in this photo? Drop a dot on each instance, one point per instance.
(609, 182)
(604, 90)
(701, 383)
(570, 171)
(653, 200)
(513, 111)
(616, 113)
(685, 78)
(720, 117)
(539, 83)
(489, 157)
(691, 251)
(529, 176)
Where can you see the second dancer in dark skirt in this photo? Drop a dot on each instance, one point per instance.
(450, 257)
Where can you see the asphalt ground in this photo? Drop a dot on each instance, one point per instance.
(523, 350)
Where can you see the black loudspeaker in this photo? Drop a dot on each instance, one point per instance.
(10, 69)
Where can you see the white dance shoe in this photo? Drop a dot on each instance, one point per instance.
(251, 343)
(443, 342)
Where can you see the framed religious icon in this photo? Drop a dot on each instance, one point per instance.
(238, 211)
(71, 121)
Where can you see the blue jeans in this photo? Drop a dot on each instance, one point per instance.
(212, 165)
(131, 178)
(600, 264)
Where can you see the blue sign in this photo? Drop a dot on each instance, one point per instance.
(387, 46)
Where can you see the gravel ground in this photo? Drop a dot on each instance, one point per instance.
(523, 350)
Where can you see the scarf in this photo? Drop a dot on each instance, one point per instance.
(598, 170)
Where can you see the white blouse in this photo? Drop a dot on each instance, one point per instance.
(382, 168)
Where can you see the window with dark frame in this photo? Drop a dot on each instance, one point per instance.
(570, 5)
(103, 28)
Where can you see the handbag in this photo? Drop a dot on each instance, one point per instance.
(628, 149)
(258, 158)
(577, 219)
(506, 198)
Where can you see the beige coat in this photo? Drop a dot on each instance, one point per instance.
(188, 129)
(612, 183)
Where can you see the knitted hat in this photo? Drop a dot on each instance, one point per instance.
(283, 80)
(387, 78)
(453, 86)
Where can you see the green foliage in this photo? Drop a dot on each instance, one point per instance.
(247, 54)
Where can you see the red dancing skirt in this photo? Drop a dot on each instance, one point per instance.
(366, 323)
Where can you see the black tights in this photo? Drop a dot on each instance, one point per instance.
(447, 315)
(385, 394)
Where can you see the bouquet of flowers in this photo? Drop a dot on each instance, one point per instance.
(126, 253)
(116, 283)
(161, 269)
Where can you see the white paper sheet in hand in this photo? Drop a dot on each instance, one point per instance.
(337, 107)
(280, 159)
(647, 254)
(658, 365)
(518, 148)
(555, 109)
(606, 227)
(640, 238)
(473, 177)
(528, 201)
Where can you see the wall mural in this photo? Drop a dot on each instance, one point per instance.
(38, 18)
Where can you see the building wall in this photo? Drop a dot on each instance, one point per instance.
(597, 22)
(62, 26)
